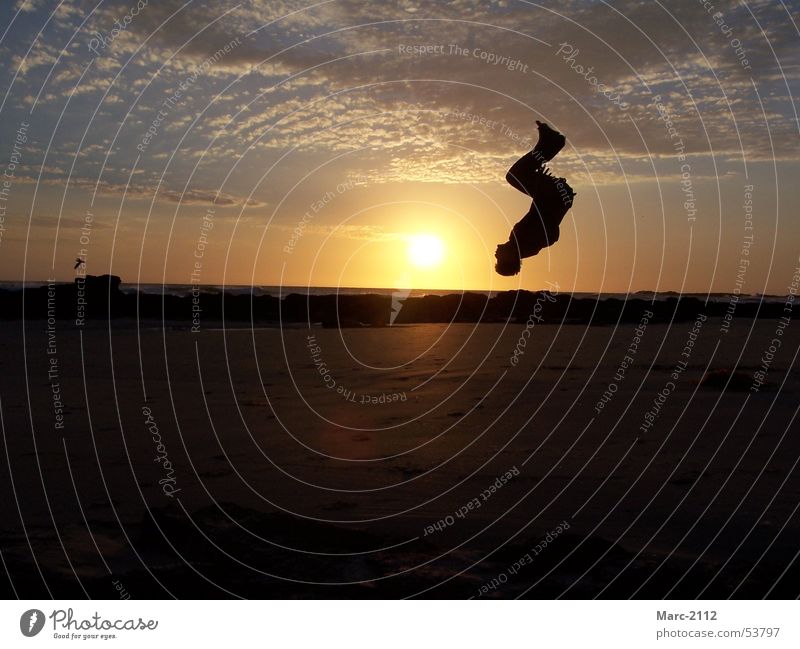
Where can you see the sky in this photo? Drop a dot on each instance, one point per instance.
(365, 144)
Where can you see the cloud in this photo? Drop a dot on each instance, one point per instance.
(344, 231)
(140, 192)
(340, 78)
(208, 197)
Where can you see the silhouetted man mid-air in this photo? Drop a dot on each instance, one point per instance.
(552, 198)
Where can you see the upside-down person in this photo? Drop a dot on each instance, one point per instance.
(552, 198)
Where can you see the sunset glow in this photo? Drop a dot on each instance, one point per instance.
(425, 250)
(276, 151)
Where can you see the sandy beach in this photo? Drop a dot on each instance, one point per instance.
(423, 460)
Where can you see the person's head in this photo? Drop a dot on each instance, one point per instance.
(508, 261)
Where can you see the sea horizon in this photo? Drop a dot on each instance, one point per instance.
(259, 290)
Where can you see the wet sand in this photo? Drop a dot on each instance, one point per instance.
(414, 460)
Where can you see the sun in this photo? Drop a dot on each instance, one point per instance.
(425, 250)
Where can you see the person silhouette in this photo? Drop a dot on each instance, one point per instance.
(552, 199)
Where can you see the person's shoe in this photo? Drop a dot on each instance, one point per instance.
(549, 144)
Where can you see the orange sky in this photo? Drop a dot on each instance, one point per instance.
(365, 135)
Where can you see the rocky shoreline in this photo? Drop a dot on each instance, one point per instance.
(100, 298)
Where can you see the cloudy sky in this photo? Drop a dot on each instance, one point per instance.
(304, 143)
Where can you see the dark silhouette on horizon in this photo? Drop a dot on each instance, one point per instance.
(552, 199)
(104, 299)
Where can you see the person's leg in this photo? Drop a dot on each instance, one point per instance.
(523, 173)
(549, 144)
